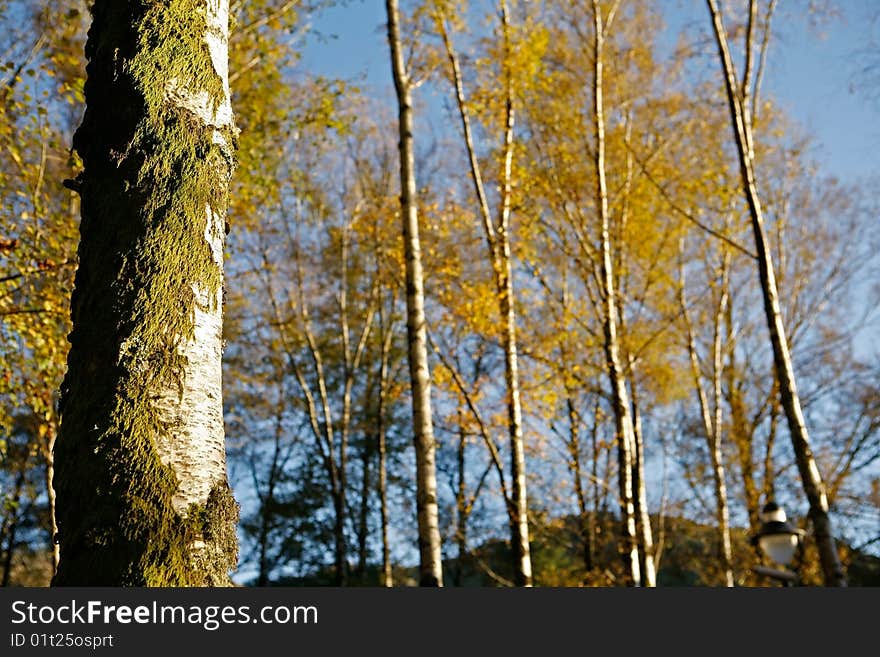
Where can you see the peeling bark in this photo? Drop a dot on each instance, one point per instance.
(718, 470)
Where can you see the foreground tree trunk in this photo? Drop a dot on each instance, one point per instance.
(430, 565)
(142, 492)
(814, 486)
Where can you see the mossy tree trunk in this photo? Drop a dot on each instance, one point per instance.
(142, 492)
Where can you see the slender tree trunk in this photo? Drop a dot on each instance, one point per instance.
(519, 502)
(8, 519)
(369, 448)
(461, 501)
(366, 486)
(330, 458)
(741, 434)
(640, 491)
(646, 537)
(620, 398)
(352, 360)
(341, 509)
(320, 416)
(50, 494)
(574, 451)
(519, 519)
(263, 538)
(10, 528)
(769, 483)
(387, 579)
(712, 424)
(430, 566)
(498, 242)
(718, 474)
(521, 552)
(340, 550)
(267, 512)
(598, 498)
(814, 486)
(143, 498)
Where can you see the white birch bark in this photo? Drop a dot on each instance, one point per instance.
(195, 444)
(619, 395)
(497, 235)
(640, 495)
(430, 565)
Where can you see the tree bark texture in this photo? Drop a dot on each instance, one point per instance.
(142, 492)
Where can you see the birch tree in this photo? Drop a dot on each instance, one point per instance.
(430, 565)
(614, 369)
(740, 104)
(711, 413)
(143, 498)
(497, 231)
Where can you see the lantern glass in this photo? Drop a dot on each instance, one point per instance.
(779, 547)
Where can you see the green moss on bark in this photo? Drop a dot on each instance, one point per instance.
(152, 167)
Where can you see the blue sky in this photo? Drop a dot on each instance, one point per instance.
(815, 76)
(812, 70)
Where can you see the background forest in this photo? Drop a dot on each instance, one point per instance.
(607, 402)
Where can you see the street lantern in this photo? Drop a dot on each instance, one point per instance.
(778, 539)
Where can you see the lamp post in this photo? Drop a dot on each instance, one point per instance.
(778, 539)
